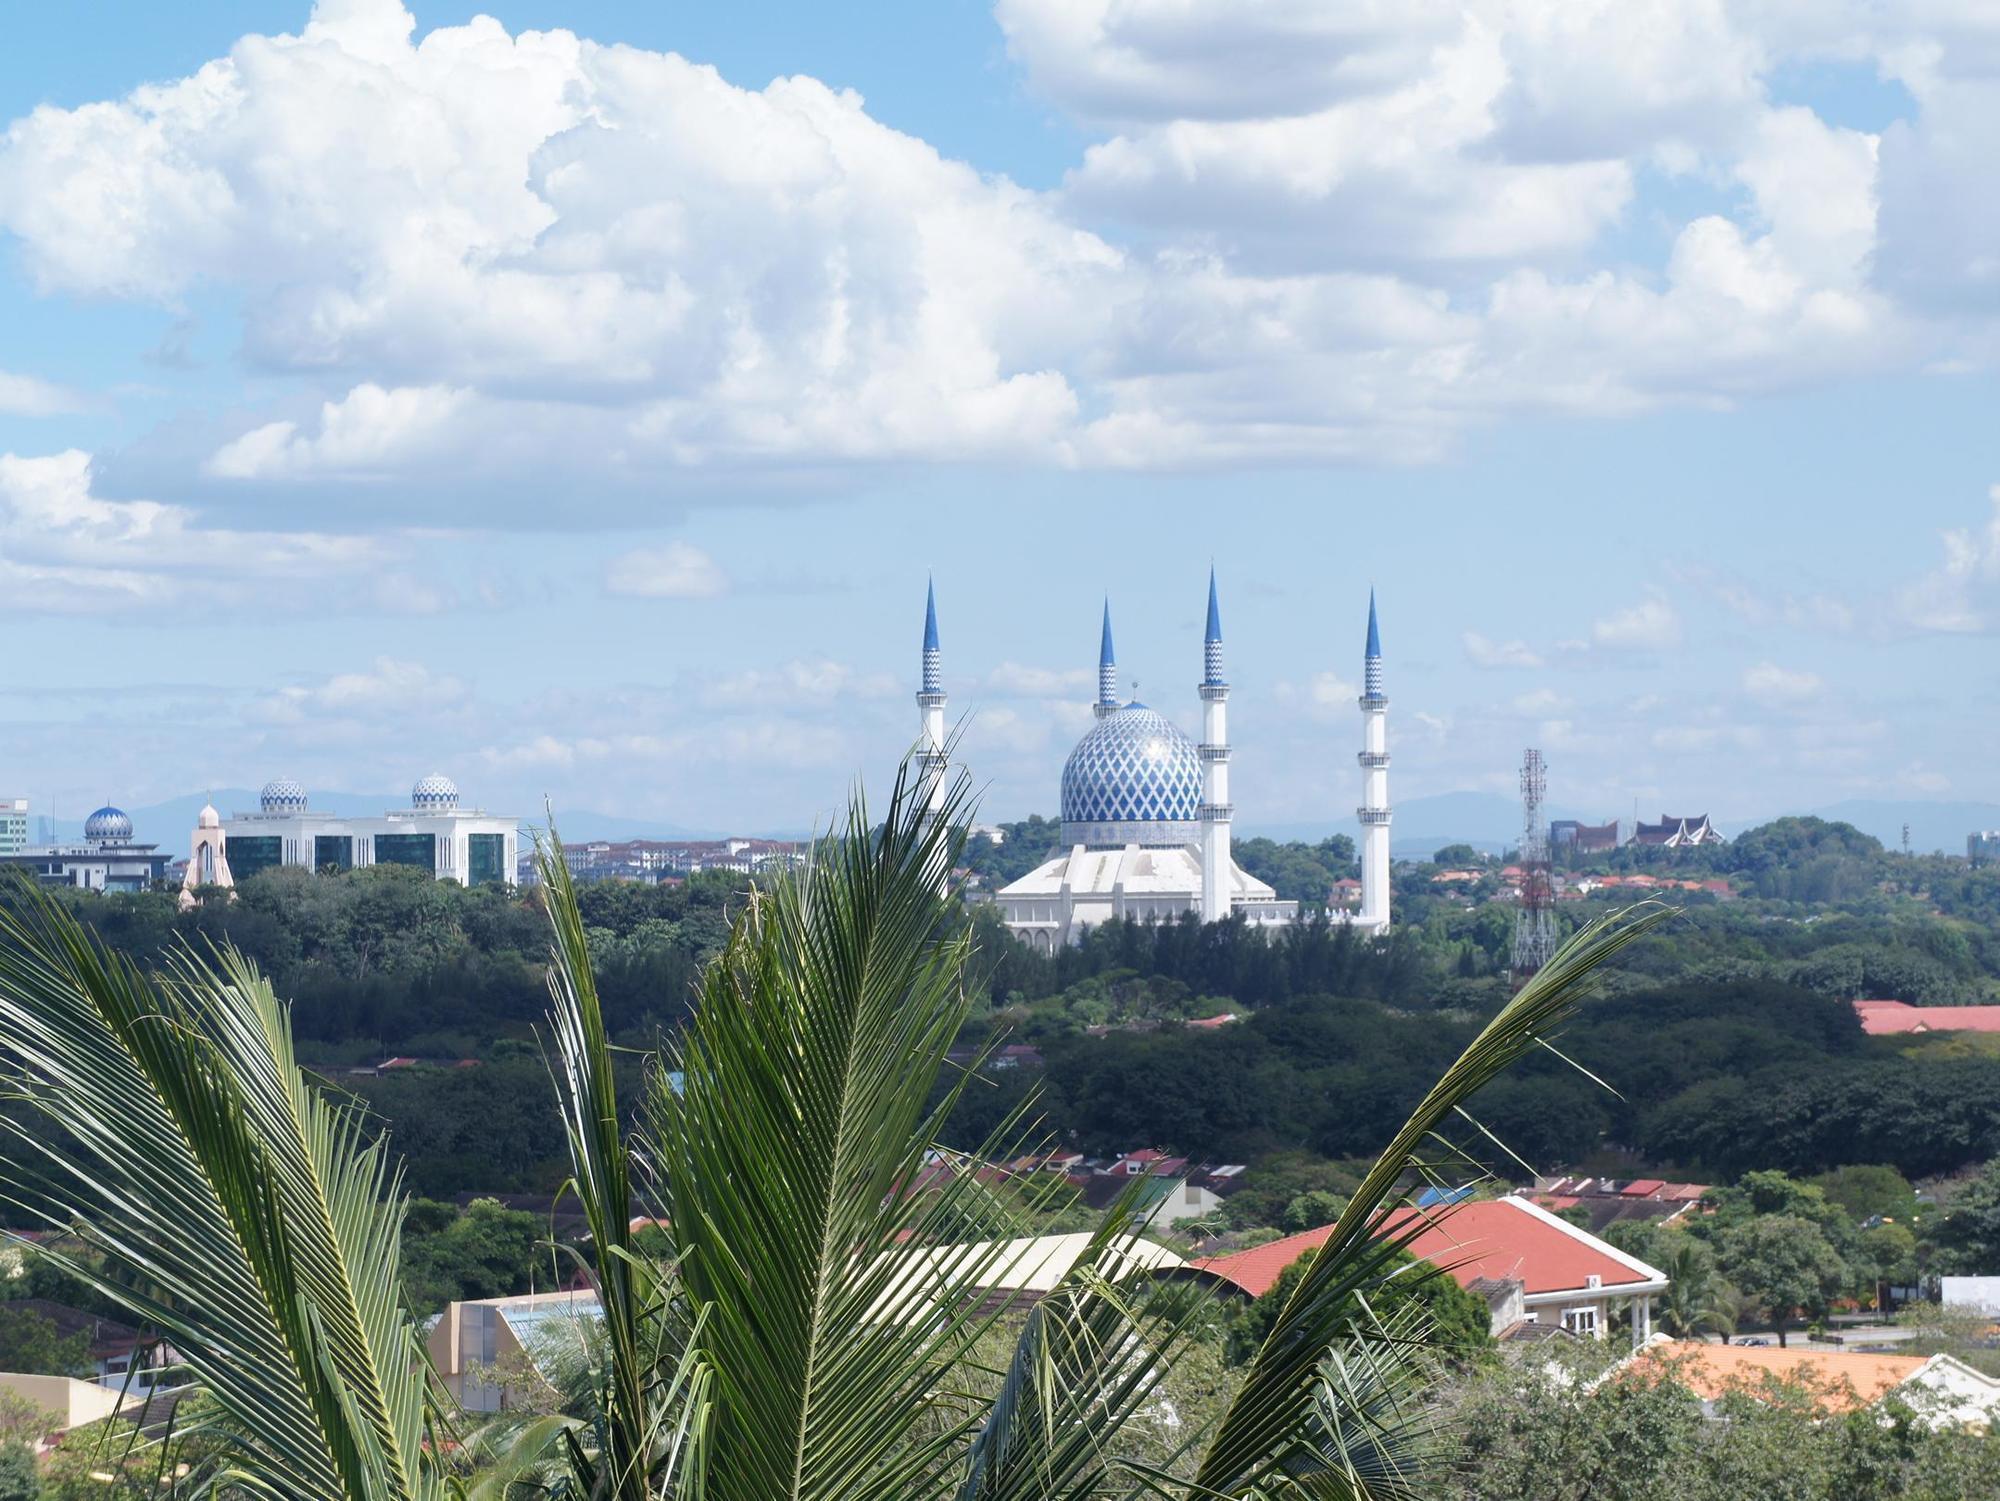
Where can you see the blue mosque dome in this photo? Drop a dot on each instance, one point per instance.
(108, 825)
(282, 795)
(1134, 779)
(434, 794)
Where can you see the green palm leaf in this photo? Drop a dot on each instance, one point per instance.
(242, 1214)
(839, 1300)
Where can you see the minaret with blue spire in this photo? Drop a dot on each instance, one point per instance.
(1374, 759)
(1216, 866)
(1107, 670)
(930, 707)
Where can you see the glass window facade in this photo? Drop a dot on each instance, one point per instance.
(486, 857)
(419, 850)
(250, 853)
(333, 852)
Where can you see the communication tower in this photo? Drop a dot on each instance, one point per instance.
(1535, 930)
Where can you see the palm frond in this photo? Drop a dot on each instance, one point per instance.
(1268, 1422)
(629, 1421)
(840, 1297)
(242, 1214)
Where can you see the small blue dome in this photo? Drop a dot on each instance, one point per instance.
(108, 825)
(434, 794)
(282, 795)
(1134, 779)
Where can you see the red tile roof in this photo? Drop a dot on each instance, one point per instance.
(1887, 1018)
(1496, 1238)
(1643, 1188)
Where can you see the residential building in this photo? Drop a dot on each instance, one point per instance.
(106, 859)
(13, 825)
(483, 1348)
(69, 1403)
(434, 833)
(1609, 1201)
(1888, 1018)
(1567, 1277)
(1942, 1390)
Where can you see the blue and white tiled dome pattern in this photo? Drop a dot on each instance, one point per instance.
(1136, 770)
(107, 825)
(434, 794)
(282, 795)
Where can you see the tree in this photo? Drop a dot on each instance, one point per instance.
(31, 1344)
(486, 1251)
(1785, 1264)
(19, 1479)
(1967, 1237)
(1869, 1192)
(1462, 1324)
(783, 1347)
(1697, 1301)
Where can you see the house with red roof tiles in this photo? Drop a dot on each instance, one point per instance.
(1889, 1018)
(1533, 1268)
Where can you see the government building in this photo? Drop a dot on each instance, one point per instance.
(434, 833)
(107, 858)
(1146, 811)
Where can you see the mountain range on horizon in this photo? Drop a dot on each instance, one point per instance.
(1485, 820)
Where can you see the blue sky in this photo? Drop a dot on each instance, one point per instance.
(399, 396)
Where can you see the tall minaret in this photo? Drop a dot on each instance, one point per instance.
(1107, 671)
(930, 706)
(1215, 810)
(1374, 758)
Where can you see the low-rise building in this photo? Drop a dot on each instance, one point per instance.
(107, 858)
(1889, 1018)
(483, 1348)
(1567, 1277)
(1943, 1391)
(1608, 1201)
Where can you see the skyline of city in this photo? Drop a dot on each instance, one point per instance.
(1669, 450)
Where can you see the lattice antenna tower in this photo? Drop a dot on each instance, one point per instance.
(1535, 929)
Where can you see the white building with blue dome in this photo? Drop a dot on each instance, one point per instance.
(107, 858)
(466, 845)
(1146, 811)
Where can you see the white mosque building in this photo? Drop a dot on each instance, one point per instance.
(1146, 812)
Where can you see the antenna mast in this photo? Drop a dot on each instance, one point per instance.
(1535, 930)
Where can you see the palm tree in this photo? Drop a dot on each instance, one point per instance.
(1697, 1300)
(814, 1329)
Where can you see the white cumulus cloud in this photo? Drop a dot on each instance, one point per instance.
(679, 570)
(1650, 625)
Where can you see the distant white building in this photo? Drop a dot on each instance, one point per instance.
(469, 846)
(13, 825)
(1146, 812)
(107, 858)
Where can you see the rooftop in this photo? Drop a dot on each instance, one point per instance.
(1888, 1018)
(1493, 1238)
